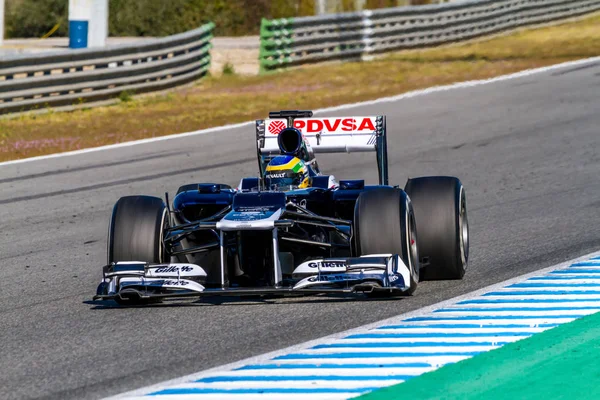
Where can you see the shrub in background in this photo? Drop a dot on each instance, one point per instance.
(232, 17)
(34, 18)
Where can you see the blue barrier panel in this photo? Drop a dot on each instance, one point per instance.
(78, 34)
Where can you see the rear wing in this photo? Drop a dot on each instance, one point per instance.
(325, 135)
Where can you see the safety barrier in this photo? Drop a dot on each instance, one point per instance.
(73, 77)
(293, 41)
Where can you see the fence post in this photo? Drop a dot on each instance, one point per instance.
(367, 33)
(88, 23)
(98, 24)
(320, 7)
(1, 22)
(79, 17)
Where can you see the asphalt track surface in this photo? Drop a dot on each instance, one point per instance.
(527, 150)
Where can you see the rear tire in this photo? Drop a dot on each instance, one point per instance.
(440, 209)
(136, 233)
(384, 223)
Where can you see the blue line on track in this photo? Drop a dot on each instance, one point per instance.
(454, 326)
(436, 335)
(405, 344)
(492, 317)
(563, 278)
(333, 366)
(499, 309)
(528, 301)
(176, 391)
(585, 264)
(303, 356)
(263, 378)
(576, 271)
(551, 285)
(541, 292)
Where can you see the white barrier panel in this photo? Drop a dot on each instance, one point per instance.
(1, 22)
(98, 24)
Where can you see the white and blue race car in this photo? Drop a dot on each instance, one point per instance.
(318, 236)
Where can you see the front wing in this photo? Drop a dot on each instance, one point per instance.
(367, 274)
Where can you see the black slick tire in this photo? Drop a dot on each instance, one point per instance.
(135, 233)
(384, 223)
(136, 229)
(440, 208)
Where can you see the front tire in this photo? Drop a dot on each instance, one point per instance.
(440, 208)
(384, 223)
(136, 230)
(135, 233)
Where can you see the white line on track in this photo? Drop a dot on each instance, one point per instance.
(422, 92)
(541, 304)
(262, 396)
(293, 384)
(548, 296)
(433, 359)
(442, 339)
(331, 371)
(483, 331)
(306, 353)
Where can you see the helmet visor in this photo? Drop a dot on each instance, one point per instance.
(284, 180)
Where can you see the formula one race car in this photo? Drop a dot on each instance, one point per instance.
(291, 230)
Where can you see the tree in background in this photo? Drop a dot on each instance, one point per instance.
(34, 18)
(149, 17)
(232, 17)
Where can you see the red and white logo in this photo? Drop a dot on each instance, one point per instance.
(332, 125)
(276, 126)
(327, 125)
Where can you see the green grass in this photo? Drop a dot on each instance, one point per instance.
(234, 98)
(228, 69)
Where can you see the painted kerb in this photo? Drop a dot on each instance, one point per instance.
(395, 350)
(294, 41)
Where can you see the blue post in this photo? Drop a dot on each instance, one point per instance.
(78, 34)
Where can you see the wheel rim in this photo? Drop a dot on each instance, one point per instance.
(464, 230)
(108, 241)
(413, 250)
(161, 244)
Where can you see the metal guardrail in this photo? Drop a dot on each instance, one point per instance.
(73, 77)
(294, 41)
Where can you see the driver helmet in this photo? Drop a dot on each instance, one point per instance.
(288, 173)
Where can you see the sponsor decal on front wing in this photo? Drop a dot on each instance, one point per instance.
(175, 271)
(314, 266)
(157, 283)
(352, 278)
